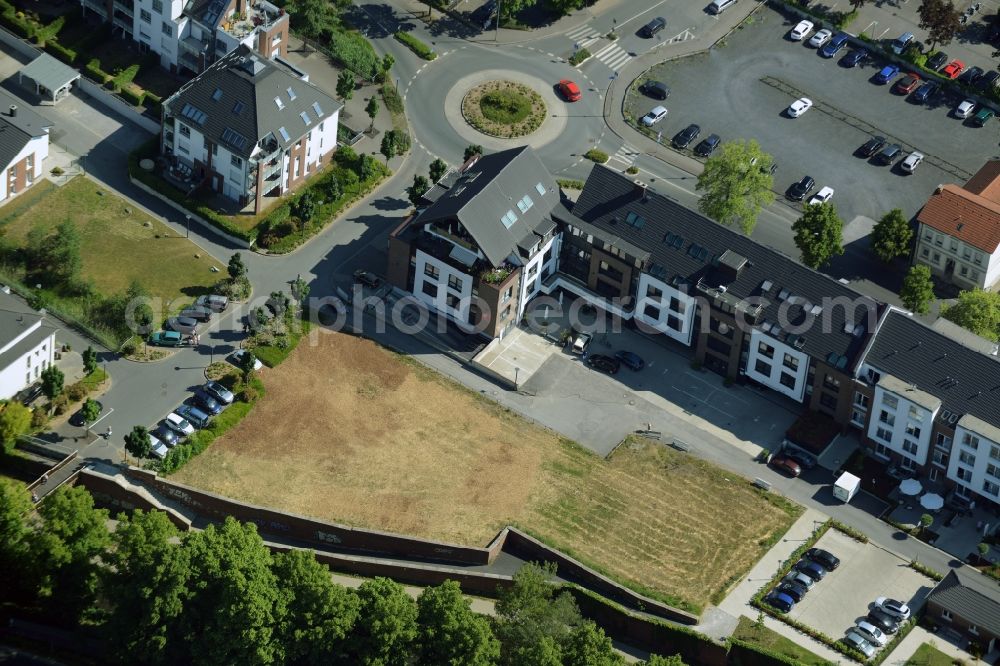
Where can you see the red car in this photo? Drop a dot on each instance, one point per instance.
(953, 69)
(569, 90)
(907, 84)
(786, 465)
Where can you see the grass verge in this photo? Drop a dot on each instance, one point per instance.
(928, 655)
(759, 635)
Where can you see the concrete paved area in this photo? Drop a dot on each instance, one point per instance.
(518, 355)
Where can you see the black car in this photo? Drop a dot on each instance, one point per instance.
(604, 363)
(653, 27)
(970, 75)
(854, 58)
(811, 569)
(368, 279)
(926, 90)
(684, 138)
(197, 312)
(936, 61)
(888, 154)
(883, 620)
(707, 145)
(871, 146)
(792, 589)
(631, 360)
(655, 89)
(77, 418)
(206, 402)
(806, 460)
(165, 435)
(825, 558)
(987, 81)
(30, 394)
(799, 190)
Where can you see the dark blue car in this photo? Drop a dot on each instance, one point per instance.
(781, 601)
(924, 92)
(854, 58)
(811, 569)
(833, 46)
(632, 360)
(886, 74)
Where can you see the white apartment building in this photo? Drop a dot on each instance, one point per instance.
(24, 145)
(27, 345)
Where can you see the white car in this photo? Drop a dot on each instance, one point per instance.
(238, 359)
(159, 449)
(800, 31)
(871, 633)
(965, 109)
(912, 161)
(179, 424)
(822, 196)
(897, 609)
(799, 106)
(655, 115)
(821, 38)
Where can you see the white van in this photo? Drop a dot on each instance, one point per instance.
(719, 6)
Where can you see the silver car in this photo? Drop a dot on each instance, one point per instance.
(859, 643)
(656, 114)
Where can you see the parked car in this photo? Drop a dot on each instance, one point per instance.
(655, 115)
(30, 394)
(781, 601)
(907, 84)
(871, 633)
(604, 363)
(887, 623)
(238, 359)
(823, 557)
(824, 195)
(580, 342)
(953, 69)
(794, 590)
(982, 117)
(811, 569)
(655, 89)
(167, 339)
(799, 190)
(833, 47)
(912, 161)
(684, 138)
(198, 313)
(219, 392)
(193, 415)
(369, 280)
(183, 325)
(804, 459)
(821, 38)
(157, 449)
(886, 74)
(965, 109)
(719, 6)
(77, 418)
(855, 640)
(895, 608)
(935, 61)
(799, 32)
(926, 90)
(165, 435)
(899, 44)
(206, 402)
(786, 465)
(707, 145)
(214, 301)
(987, 81)
(178, 424)
(969, 76)
(888, 155)
(799, 106)
(650, 29)
(569, 90)
(631, 360)
(871, 146)
(801, 579)
(854, 58)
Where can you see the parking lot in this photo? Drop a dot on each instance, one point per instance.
(866, 571)
(742, 88)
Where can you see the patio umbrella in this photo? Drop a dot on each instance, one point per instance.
(910, 487)
(932, 501)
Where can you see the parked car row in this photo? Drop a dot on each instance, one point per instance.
(812, 568)
(178, 329)
(685, 137)
(869, 634)
(205, 402)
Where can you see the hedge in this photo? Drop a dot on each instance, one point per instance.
(570, 184)
(67, 55)
(415, 45)
(45, 33)
(596, 155)
(125, 77)
(17, 22)
(133, 95)
(579, 56)
(93, 68)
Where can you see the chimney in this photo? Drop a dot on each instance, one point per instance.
(13, 110)
(641, 189)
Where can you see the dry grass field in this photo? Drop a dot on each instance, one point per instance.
(352, 433)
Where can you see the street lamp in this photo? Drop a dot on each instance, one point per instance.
(187, 233)
(496, 35)
(516, 372)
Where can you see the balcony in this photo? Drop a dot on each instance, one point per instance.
(190, 61)
(194, 46)
(261, 15)
(123, 22)
(123, 7)
(96, 7)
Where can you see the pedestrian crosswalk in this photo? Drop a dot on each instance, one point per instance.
(611, 54)
(626, 154)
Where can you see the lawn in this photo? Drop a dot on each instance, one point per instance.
(119, 242)
(366, 437)
(767, 638)
(928, 655)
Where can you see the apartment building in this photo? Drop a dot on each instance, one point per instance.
(190, 35)
(24, 145)
(250, 128)
(27, 345)
(958, 233)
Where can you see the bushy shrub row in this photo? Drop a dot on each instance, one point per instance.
(415, 45)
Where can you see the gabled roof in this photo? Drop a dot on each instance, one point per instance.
(15, 318)
(966, 381)
(682, 244)
(49, 72)
(243, 98)
(969, 217)
(17, 130)
(492, 188)
(971, 596)
(986, 181)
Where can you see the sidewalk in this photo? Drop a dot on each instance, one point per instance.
(917, 637)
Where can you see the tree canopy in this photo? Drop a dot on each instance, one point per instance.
(940, 19)
(736, 184)
(818, 234)
(978, 311)
(891, 236)
(15, 420)
(917, 291)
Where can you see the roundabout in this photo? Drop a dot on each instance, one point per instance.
(503, 109)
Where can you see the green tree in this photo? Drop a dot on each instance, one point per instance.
(417, 189)
(15, 536)
(532, 623)
(978, 311)
(300, 289)
(52, 382)
(387, 62)
(388, 148)
(89, 360)
(510, 8)
(234, 601)
(146, 585)
(304, 208)
(312, 18)
(236, 268)
(589, 646)
(917, 291)
(941, 21)
(247, 363)
(369, 168)
(437, 169)
(90, 410)
(345, 85)
(138, 443)
(657, 660)
(563, 7)
(334, 189)
(450, 633)
(472, 150)
(736, 184)
(66, 548)
(818, 234)
(372, 110)
(53, 260)
(318, 615)
(15, 420)
(386, 629)
(926, 520)
(891, 236)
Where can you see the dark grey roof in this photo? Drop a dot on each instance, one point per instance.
(972, 596)
(439, 188)
(232, 103)
(15, 317)
(491, 188)
(966, 381)
(683, 245)
(48, 72)
(17, 130)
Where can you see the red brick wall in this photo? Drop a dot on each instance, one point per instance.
(264, 38)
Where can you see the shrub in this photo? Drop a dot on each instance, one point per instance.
(38, 419)
(415, 45)
(579, 56)
(93, 69)
(632, 170)
(596, 155)
(67, 55)
(133, 95)
(76, 392)
(46, 33)
(355, 53)
(126, 76)
(393, 100)
(569, 183)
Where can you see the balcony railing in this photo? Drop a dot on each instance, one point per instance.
(194, 46)
(124, 7)
(123, 22)
(97, 7)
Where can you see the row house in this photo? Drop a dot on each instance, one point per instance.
(24, 145)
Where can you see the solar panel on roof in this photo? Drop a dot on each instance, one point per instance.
(234, 138)
(194, 113)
